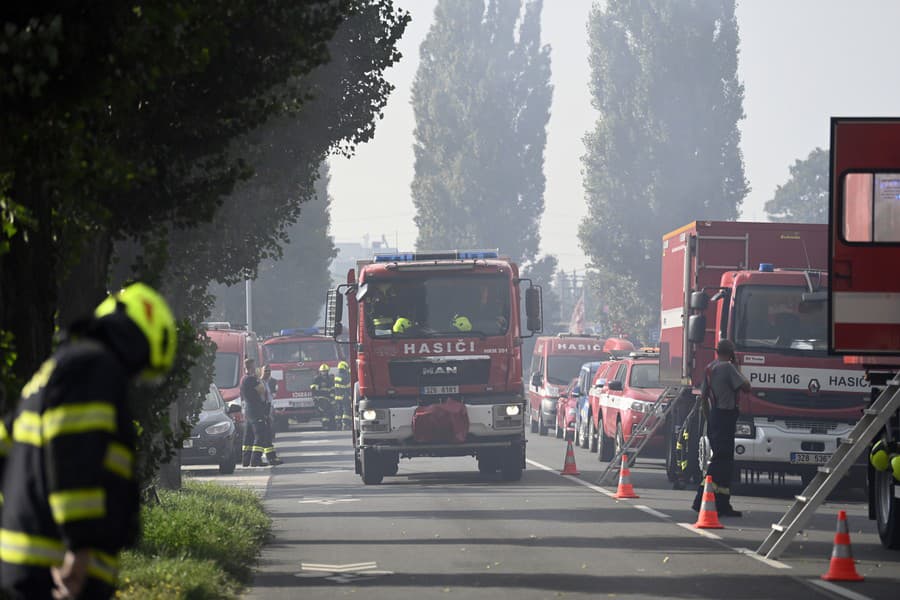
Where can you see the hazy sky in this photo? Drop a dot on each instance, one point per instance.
(801, 62)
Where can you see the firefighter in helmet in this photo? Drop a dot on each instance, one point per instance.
(323, 393)
(67, 452)
(461, 323)
(342, 395)
(381, 308)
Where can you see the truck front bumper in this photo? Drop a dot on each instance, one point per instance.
(772, 445)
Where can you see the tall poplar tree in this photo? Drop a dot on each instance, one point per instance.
(481, 99)
(803, 198)
(664, 150)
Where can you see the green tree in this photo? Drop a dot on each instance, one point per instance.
(129, 124)
(803, 198)
(481, 99)
(290, 291)
(664, 150)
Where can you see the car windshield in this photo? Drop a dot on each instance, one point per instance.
(438, 305)
(562, 368)
(212, 401)
(288, 352)
(644, 375)
(775, 317)
(226, 369)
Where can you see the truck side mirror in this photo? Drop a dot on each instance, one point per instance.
(697, 328)
(699, 300)
(334, 312)
(537, 379)
(534, 309)
(615, 386)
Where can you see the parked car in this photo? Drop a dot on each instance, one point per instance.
(624, 391)
(565, 411)
(582, 407)
(216, 438)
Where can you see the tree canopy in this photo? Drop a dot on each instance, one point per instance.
(481, 99)
(664, 150)
(803, 198)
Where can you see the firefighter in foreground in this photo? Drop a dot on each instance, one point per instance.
(719, 396)
(323, 392)
(71, 502)
(342, 395)
(257, 434)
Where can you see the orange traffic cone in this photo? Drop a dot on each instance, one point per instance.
(625, 490)
(569, 467)
(842, 567)
(709, 516)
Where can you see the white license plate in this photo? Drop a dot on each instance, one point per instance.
(432, 390)
(301, 403)
(809, 458)
(187, 444)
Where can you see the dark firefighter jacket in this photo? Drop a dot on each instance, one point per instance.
(342, 385)
(255, 405)
(68, 456)
(323, 386)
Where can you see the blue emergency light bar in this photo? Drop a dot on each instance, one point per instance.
(300, 331)
(448, 255)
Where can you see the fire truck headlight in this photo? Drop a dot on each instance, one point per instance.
(640, 407)
(745, 430)
(369, 415)
(512, 410)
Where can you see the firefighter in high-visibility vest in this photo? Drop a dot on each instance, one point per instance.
(323, 394)
(71, 501)
(342, 395)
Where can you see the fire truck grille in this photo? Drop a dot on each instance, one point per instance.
(414, 373)
(815, 426)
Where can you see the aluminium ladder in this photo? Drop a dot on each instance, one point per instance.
(633, 446)
(872, 421)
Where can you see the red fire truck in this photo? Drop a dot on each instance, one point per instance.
(295, 356)
(864, 295)
(435, 358)
(764, 287)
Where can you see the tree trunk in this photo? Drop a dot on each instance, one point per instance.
(84, 284)
(170, 472)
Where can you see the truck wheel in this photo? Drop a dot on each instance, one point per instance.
(578, 433)
(557, 429)
(488, 463)
(887, 509)
(620, 439)
(372, 472)
(592, 441)
(542, 429)
(511, 464)
(605, 449)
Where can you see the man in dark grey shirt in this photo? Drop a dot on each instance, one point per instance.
(719, 394)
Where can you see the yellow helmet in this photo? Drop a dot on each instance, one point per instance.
(879, 457)
(323, 368)
(343, 365)
(152, 315)
(461, 323)
(401, 325)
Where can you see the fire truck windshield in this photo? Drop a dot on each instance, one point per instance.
(645, 375)
(290, 352)
(776, 317)
(438, 305)
(226, 369)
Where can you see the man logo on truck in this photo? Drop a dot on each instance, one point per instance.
(439, 370)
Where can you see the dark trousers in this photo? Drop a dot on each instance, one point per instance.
(257, 441)
(35, 583)
(720, 431)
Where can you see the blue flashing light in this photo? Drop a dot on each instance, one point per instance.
(766, 267)
(449, 255)
(300, 331)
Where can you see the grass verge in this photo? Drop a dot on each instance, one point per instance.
(200, 542)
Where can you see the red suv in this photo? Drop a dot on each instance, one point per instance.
(624, 390)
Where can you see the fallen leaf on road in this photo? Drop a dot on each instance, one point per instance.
(666, 559)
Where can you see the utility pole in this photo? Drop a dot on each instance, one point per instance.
(248, 293)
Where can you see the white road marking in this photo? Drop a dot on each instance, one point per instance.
(703, 532)
(775, 564)
(326, 501)
(836, 589)
(338, 568)
(652, 511)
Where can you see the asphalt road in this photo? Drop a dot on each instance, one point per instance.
(439, 529)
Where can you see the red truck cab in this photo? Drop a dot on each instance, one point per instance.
(295, 356)
(435, 358)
